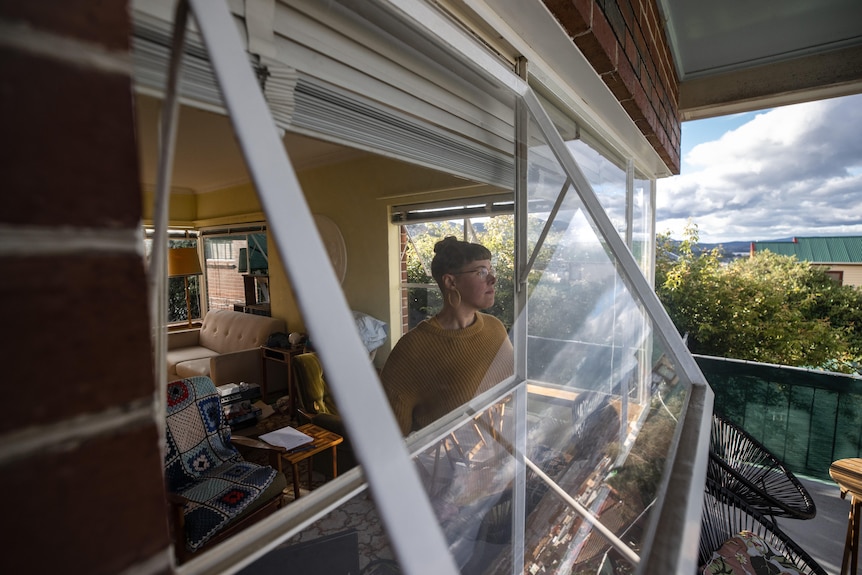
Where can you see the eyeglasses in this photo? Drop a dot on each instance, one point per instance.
(482, 272)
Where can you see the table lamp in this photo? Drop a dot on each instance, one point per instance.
(184, 262)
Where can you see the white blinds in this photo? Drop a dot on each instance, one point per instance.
(312, 88)
(480, 206)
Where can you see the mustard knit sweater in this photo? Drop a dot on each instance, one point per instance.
(432, 370)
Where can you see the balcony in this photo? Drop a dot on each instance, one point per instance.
(808, 419)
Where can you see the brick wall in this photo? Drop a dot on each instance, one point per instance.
(625, 42)
(80, 465)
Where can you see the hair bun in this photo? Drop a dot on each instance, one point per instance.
(445, 243)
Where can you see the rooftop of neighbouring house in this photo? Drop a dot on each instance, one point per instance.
(837, 249)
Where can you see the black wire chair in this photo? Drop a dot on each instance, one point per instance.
(725, 514)
(744, 466)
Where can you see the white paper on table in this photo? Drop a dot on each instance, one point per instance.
(287, 437)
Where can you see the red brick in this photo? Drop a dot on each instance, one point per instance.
(82, 332)
(595, 53)
(628, 75)
(606, 37)
(630, 48)
(633, 110)
(104, 22)
(574, 16)
(615, 20)
(70, 156)
(629, 13)
(97, 507)
(640, 42)
(616, 85)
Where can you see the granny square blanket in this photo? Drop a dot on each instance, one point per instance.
(202, 465)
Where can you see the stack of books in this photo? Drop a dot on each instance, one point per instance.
(237, 400)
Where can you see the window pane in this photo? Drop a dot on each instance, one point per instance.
(469, 477)
(643, 236)
(178, 311)
(607, 179)
(349, 539)
(230, 260)
(603, 398)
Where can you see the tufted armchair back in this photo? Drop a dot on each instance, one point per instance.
(225, 331)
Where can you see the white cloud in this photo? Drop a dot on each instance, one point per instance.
(791, 171)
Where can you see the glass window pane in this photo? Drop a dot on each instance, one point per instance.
(607, 179)
(603, 397)
(178, 311)
(468, 476)
(349, 539)
(229, 259)
(643, 237)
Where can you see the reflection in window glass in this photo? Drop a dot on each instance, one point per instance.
(643, 236)
(349, 539)
(603, 399)
(607, 180)
(469, 477)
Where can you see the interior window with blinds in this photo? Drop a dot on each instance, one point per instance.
(485, 220)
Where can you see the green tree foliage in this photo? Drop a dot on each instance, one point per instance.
(177, 309)
(767, 308)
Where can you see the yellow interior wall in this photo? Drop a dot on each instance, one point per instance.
(182, 207)
(356, 195)
(227, 202)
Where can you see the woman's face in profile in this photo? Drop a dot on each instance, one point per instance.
(476, 281)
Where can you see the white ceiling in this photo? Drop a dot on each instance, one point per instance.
(715, 37)
(207, 156)
(740, 55)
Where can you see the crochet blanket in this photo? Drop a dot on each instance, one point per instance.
(202, 465)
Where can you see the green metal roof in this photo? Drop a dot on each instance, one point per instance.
(840, 249)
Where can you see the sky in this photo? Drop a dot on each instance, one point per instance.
(771, 174)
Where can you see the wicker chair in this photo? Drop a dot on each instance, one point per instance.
(743, 466)
(725, 514)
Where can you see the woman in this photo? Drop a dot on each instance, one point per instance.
(446, 360)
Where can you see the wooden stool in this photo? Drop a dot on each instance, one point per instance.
(847, 473)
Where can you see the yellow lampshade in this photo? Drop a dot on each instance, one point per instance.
(183, 262)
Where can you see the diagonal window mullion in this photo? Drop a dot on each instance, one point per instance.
(548, 223)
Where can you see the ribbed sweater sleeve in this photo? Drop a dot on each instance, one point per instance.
(432, 371)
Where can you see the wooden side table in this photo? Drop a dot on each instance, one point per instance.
(280, 355)
(322, 440)
(847, 473)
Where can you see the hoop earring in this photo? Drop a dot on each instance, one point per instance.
(449, 298)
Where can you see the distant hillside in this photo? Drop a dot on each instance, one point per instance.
(731, 248)
(737, 247)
